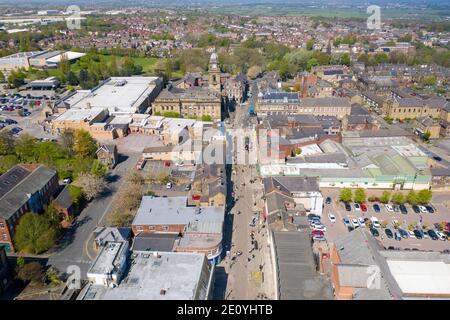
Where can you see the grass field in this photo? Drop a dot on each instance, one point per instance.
(296, 10)
(147, 64)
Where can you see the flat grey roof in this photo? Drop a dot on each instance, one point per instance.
(109, 257)
(161, 276)
(174, 210)
(123, 94)
(161, 242)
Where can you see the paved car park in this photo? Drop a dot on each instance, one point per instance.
(337, 229)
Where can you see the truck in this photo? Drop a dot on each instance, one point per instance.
(140, 164)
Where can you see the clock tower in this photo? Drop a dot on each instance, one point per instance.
(214, 73)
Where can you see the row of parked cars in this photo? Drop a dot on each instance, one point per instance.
(317, 228)
(391, 208)
(398, 233)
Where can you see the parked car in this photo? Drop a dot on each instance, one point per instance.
(319, 238)
(429, 209)
(346, 222)
(397, 236)
(348, 207)
(403, 209)
(317, 232)
(389, 207)
(416, 209)
(350, 228)
(16, 130)
(320, 227)
(331, 217)
(411, 234)
(433, 234)
(355, 223)
(376, 208)
(418, 234)
(357, 207)
(140, 164)
(374, 232)
(396, 208)
(363, 207)
(187, 187)
(169, 185)
(313, 216)
(67, 181)
(375, 222)
(423, 209)
(441, 235)
(403, 233)
(437, 158)
(389, 233)
(362, 222)
(328, 200)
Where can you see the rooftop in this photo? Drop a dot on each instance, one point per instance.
(18, 184)
(297, 275)
(159, 276)
(174, 210)
(118, 94)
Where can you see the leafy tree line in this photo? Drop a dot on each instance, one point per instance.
(73, 156)
(422, 197)
(94, 69)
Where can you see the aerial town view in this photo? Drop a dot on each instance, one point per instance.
(254, 150)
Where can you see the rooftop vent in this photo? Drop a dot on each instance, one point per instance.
(163, 292)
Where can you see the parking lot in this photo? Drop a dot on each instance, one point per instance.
(338, 229)
(136, 142)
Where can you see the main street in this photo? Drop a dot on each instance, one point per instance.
(249, 259)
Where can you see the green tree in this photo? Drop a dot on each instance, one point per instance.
(16, 79)
(424, 196)
(346, 195)
(426, 136)
(206, 118)
(345, 59)
(412, 198)
(32, 272)
(385, 197)
(25, 147)
(64, 67)
(98, 169)
(68, 141)
(312, 63)
(310, 44)
(398, 198)
(6, 142)
(85, 145)
(72, 79)
(360, 195)
(34, 233)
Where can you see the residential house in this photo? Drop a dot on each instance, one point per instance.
(107, 155)
(24, 188)
(427, 125)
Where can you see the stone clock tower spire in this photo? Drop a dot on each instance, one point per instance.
(214, 72)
